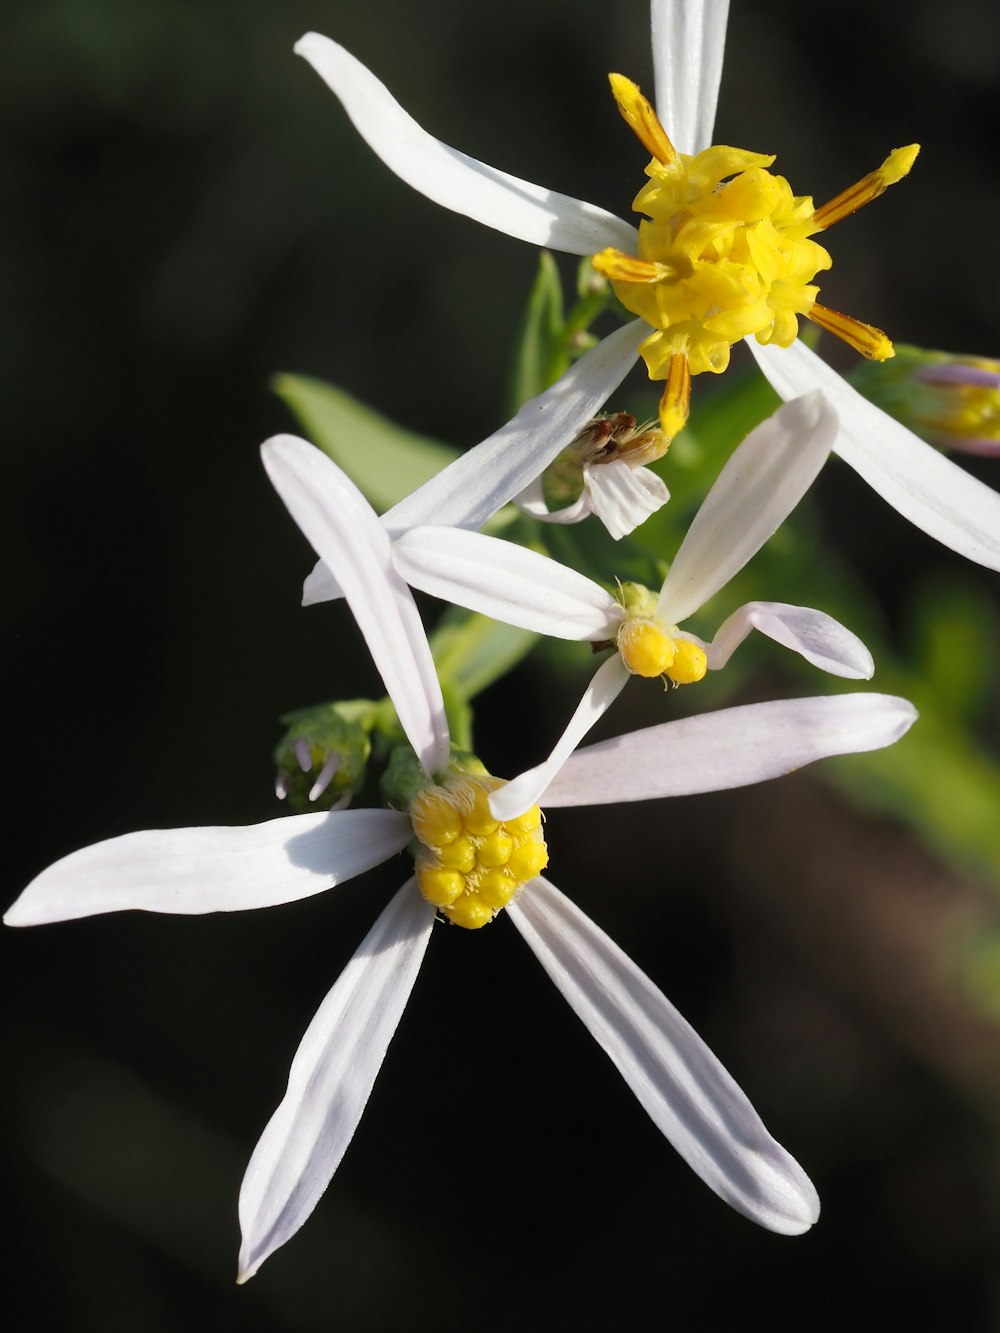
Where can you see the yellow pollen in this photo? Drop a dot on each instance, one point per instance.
(641, 119)
(689, 664)
(646, 648)
(725, 252)
(469, 864)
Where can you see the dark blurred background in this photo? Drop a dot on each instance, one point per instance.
(187, 211)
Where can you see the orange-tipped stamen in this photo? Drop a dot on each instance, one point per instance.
(620, 267)
(676, 400)
(642, 120)
(864, 338)
(893, 169)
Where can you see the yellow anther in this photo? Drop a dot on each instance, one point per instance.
(689, 664)
(641, 119)
(497, 887)
(479, 820)
(893, 169)
(458, 855)
(469, 911)
(869, 341)
(528, 860)
(495, 849)
(526, 823)
(646, 649)
(675, 403)
(440, 887)
(436, 821)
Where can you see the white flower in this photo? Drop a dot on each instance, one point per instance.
(684, 1089)
(688, 38)
(759, 486)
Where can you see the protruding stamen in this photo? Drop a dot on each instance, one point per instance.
(642, 120)
(864, 338)
(302, 754)
(676, 400)
(325, 777)
(620, 267)
(893, 169)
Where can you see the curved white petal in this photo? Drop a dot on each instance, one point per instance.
(623, 497)
(532, 501)
(347, 535)
(518, 208)
(688, 41)
(817, 637)
(331, 1080)
(470, 490)
(507, 582)
(730, 748)
(528, 789)
(921, 484)
(679, 1083)
(320, 586)
(760, 485)
(197, 870)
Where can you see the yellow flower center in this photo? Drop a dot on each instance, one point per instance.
(469, 864)
(648, 649)
(724, 251)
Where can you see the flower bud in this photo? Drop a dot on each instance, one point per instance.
(323, 755)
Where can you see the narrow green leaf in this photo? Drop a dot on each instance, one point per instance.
(539, 354)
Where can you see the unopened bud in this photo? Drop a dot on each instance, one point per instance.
(323, 755)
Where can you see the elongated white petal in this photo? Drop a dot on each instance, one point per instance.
(528, 789)
(470, 490)
(532, 501)
(688, 41)
(730, 748)
(507, 582)
(921, 484)
(758, 488)
(331, 1080)
(320, 586)
(679, 1083)
(518, 208)
(623, 497)
(814, 635)
(347, 535)
(197, 870)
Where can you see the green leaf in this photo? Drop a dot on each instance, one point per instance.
(540, 355)
(471, 651)
(384, 460)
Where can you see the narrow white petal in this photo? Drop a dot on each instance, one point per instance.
(518, 208)
(814, 635)
(532, 501)
(347, 535)
(730, 748)
(507, 582)
(528, 789)
(760, 485)
(197, 870)
(470, 490)
(331, 1080)
(921, 484)
(623, 497)
(688, 40)
(320, 586)
(679, 1083)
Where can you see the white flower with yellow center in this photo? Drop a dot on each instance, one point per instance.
(725, 251)
(754, 493)
(691, 1099)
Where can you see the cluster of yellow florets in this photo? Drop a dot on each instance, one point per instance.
(469, 864)
(648, 649)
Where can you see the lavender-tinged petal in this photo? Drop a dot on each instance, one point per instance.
(325, 777)
(532, 501)
(814, 635)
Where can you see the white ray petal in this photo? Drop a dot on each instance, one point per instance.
(679, 1083)
(197, 870)
(518, 208)
(331, 1080)
(528, 789)
(817, 637)
(688, 41)
(507, 582)
(730, 748)
(470, 490)
(934, 493)
(760, 485)
(320, 586)
(347, 535)
(623, 497)
(532, 501)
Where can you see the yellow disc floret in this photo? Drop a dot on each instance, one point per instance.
(725, 251)
(469, 864)
(650, 648)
